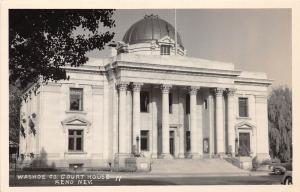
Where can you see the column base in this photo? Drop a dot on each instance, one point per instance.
(166, 156)
(154, 155)
(194, 156)
(181, 156)
(123, 155)
(221, 155)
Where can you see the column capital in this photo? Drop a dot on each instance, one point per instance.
(193, 90)
(165, 88)
(136, 86)
(122, 85)
(218, 91)
(230, 91)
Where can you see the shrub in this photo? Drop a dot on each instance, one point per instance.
(99, 169)
(39, 169)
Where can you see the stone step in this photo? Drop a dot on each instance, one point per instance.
(193, 166)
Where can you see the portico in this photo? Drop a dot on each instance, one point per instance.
(170, 133)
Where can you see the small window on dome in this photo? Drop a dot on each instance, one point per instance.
(165, 49)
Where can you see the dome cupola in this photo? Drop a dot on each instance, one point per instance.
(151, 36)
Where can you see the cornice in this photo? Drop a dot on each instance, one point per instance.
(177, 69)
(252, 81)
(94, 70)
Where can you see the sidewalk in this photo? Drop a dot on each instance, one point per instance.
(174, 175)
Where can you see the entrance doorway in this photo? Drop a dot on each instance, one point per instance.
(244, 144)
(172, 143)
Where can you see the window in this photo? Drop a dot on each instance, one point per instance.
(187, 104)
(205, 103)
(144, 101)
(165, 49)
(75, 140)
(243, 107)
(170, 103)
(188, 140)
(76, 99)
(145, 140)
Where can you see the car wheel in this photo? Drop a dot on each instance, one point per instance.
(277, 172)
(288, 181)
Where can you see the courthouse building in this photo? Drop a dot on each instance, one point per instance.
(150, 100)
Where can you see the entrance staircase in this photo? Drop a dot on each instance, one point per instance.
(193, 166)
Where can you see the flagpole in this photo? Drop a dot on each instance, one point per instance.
(175, 34)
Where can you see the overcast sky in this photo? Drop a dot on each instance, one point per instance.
(254, 40)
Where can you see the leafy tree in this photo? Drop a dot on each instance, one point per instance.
(14, 113)
(280, 123)
(42, 41)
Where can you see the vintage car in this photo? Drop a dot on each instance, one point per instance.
(287, 178)
(280, 169)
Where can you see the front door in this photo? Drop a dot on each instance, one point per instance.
(172, 143)
(244, 144)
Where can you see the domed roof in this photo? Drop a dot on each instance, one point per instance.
(151, 27)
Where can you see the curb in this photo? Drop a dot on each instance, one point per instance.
(174, 175)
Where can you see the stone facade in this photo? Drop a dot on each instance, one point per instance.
(193, 110)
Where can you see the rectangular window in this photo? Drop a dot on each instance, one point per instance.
(187, 104)
(243, 107)
(144, 140)
(76, 99)
(165, 49)
(188, 140)
(170, 103)
(75, 140)
(144, 101)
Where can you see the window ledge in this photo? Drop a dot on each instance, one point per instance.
(245, 118)
(77, 112)
(75, 153)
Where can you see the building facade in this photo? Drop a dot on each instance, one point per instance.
(148, 99)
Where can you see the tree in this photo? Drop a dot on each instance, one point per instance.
(42, 41)
(280, 123)
(14, 113)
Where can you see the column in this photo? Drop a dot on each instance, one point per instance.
(113, 118)
(136, 88)
(165, 122)
(220, 121)
(195, 133)
(231, 122)
(123, 132)
(211, 125)
(181, 121)
(154, 123)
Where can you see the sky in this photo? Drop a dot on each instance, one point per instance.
(256, 40)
